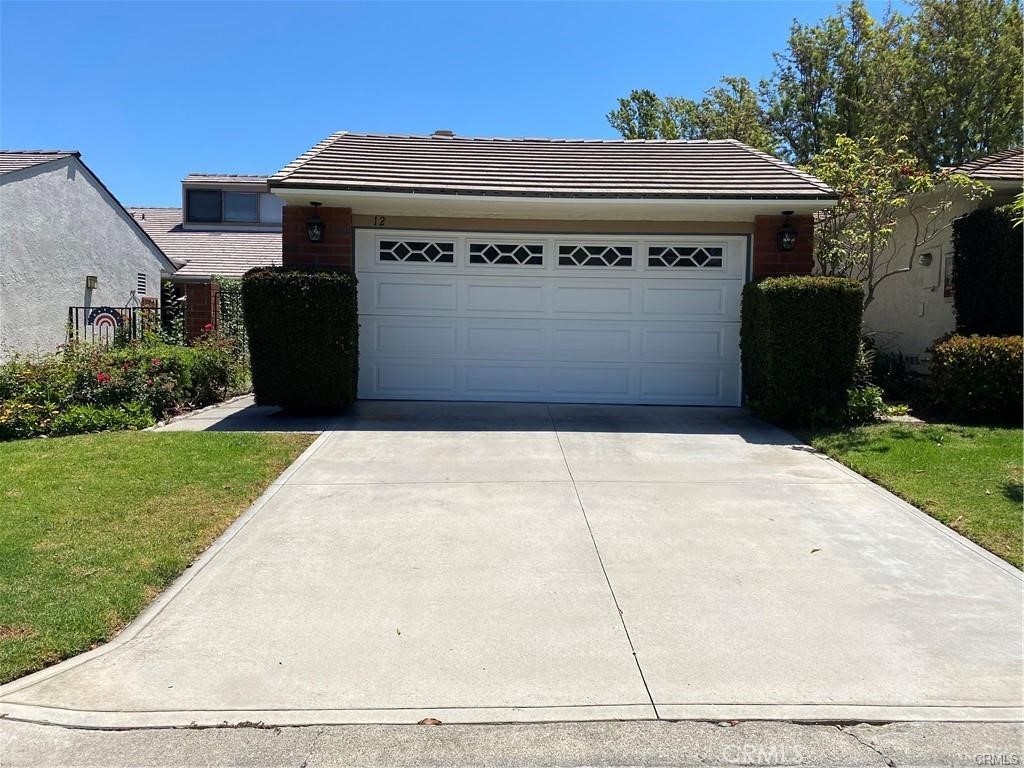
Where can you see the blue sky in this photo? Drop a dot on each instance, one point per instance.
(149, 91)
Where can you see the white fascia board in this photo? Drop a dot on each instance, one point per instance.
(503, 207)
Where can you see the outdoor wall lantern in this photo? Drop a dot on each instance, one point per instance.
(786, 236)
(90, 282)
(315, 228)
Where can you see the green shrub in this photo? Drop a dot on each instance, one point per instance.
(800, 343)
(864, 404)
(303, 329)
(91, 418)
(86, 387)
(978, 378)
(988, 274)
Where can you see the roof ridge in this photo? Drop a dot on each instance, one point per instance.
(306, 156)
(74, 152)
(546, 139)
(788, 167)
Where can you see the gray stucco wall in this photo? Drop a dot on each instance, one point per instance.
(57, 225)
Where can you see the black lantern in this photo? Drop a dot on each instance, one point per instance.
(786, 236)
(315, 227)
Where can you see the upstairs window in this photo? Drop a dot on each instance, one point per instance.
(216, 206)
(204, 205)
(241, 206)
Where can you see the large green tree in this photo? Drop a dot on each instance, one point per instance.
(731, 110)
(965, 88)
(841, 76)
(948, 77)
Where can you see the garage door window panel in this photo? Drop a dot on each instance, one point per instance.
(686, 257)
(584, 255)
(417, 251)
(506, 254)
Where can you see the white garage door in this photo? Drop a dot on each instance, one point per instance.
(566, 318)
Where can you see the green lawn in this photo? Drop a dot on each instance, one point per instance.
(93, 527)
(967, 477)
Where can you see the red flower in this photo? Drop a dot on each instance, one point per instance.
(208, 327)
(102, 378)
(155, 361)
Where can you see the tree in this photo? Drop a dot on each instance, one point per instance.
(841, 76)
(879, 190)
(948, 77)
(731, 110)
(965, 86)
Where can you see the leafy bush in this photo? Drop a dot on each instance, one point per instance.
(864, 404)
(86, 388)
(988, 274)
(978, 378)
(303, 331)
(800, 342)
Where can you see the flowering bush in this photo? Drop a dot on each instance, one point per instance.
(88, 388)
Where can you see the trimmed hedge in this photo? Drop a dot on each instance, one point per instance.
(303, 329)
(988, 274)
(800, 340)
(978, 378)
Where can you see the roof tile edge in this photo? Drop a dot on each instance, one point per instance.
(305, 157)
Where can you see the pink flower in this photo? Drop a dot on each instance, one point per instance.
(208, 327)
(102, 378)
(155, 361)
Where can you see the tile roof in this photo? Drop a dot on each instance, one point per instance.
(208, 252)
(12, 160)
(1007, 165)
(723, 169)
(224, 178)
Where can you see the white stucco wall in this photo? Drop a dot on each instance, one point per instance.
(910, 311)
(57, 225)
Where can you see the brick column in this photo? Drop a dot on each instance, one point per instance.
(200, 308)
(334, 251)
(769, 261)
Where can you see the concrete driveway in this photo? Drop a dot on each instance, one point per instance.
(492, 563)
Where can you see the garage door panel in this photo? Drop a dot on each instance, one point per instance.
(506, 298)
(663, 329)
(412, 378)
(498, 380)
(706, 300)
(407, 294)
(599, 299)
(606, 343)
(504, 340)
(705, 342)
(698, 383)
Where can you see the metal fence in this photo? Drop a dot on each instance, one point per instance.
(106, 325)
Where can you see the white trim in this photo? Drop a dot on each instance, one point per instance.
(538, 207)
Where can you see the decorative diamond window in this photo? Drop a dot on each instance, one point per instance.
(699, 257)
(506, 253)
(595, 256)
(421, 251)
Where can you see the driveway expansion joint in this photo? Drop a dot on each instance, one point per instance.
(600, 560)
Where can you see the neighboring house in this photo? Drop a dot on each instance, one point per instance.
(226, 226)
(913, 309)
(65, 241)
(548, 270)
